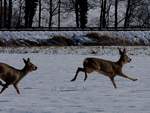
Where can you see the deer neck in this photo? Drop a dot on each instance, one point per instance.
(24, 71)
(120, 62)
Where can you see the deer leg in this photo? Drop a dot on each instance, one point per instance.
(2, 84)
(85, 75)
(78, 70)
(113, 81)
(17, 89)
(130, 78)
(4, 87)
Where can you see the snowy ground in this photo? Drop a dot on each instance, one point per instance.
(49, 90)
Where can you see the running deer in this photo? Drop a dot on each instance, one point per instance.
(12, 76)
(108, 68)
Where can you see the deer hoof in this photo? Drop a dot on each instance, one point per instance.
(72, 80)
(135, 79)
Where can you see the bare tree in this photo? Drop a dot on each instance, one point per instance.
(53, 11)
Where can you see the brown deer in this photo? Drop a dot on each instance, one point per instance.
(108, 68)
(12, 76)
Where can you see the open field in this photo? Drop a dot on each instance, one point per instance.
(49, 90)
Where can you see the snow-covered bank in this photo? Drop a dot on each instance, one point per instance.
(49, 90)
(47, 38)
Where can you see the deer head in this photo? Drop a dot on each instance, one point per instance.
(123, 56)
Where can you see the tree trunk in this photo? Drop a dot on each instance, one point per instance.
(19, 16)
(10, 14)
(127, 17)
(116, 14)
(104, 13)
(101, 15)
(39, 13)
(27, 3)
(59, 5)
(77, 12)
(5, 13)
(30, 10)
(83, 13)
(1, 11)
(50, 13)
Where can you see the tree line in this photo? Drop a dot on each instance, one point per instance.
(136, 14)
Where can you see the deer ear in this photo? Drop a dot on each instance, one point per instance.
(24, 60)
(120, 52)
(28, 60)
(124, 50)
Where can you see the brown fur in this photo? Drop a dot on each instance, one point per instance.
(12, 76)
(106, 67)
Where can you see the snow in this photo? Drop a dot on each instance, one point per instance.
(79, 40)
(49, 90)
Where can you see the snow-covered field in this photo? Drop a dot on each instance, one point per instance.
(49, 90)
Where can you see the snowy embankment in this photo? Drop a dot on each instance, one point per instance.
(49, 90)
(71, 38)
